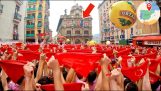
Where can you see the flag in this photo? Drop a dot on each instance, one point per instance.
(81, 23)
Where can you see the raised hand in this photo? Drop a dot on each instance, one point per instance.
(105, 60)
(28, 69)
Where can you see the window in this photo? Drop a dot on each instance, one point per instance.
(106, 3)
(131, 30)
(68, 32)
(28, 32)
(122, 32)
(77, 32)
(17, 9)
(39, 22)
(77, 14)
(34, 6)
(86, 32)
(32, 32)
(33, 14)
(15, 32)
(39, 31)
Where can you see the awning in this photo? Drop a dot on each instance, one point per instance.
(148, 38)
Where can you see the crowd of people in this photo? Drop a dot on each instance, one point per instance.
(79, 67)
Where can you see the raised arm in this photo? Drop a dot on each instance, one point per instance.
(4, 80)
(70, 76)
(105, 73)
(28, 71)
(54, 65)
(40, 67)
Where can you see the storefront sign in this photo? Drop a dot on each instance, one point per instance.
(152, 43)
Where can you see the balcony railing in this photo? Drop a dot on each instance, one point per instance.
(30, 17)
(39, 16)
(29, 26)
(68, 34)
(31, 9)
(31, 1)
(30, 35)
(17, 17)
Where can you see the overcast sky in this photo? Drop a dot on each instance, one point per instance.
(57, 8)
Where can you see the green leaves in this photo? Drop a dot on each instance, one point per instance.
(124, 22)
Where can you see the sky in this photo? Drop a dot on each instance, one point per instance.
(57, 8)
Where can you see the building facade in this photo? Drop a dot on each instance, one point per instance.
(109, 32)
(37, 20)
(12, 27)
(74, 27)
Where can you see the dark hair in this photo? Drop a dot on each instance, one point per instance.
(113, 61)
(45, 80)
(1, 86)
(19, 82)
(91, 76)
(126, 81)
(131, 87)
(64, 73)
(35, 69)
(155, 85)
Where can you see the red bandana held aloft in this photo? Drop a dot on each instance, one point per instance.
(67, 87)
(135, 73)
(18, 45)
(83, 63)
(154, 64)
(14, 69)
(33, 47)
(154, 78)
(124, 52)
(153, 67)
(30, 55)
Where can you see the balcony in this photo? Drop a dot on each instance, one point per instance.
(39, 25)
(30, 26)
(31, 9)
(19, 2)
(40, 8)
(77, 35)
(17, 17)
(39, 16)
(30, 17)
(1, 8)
(30, 35)
(31, 1)
(68, 34)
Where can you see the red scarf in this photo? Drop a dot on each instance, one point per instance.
(30, 55)
(135, 73)
(83, 63)
(14, 69)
